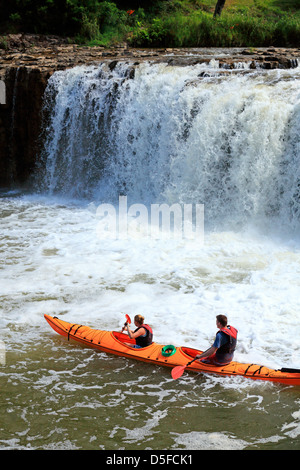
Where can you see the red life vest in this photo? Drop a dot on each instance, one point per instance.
(144, 341)
(230, 330)
(231, 345)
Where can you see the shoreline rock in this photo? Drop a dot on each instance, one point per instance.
(49, 53)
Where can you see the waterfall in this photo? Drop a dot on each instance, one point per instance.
(227, 139)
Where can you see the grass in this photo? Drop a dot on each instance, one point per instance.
(250, 23)
(162, 23)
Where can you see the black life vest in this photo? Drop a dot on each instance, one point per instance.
(230, 346)
(144, 341)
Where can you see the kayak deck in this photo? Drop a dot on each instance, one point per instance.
(120, 344)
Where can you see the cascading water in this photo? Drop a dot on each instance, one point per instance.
(157, 134)
(228, 140)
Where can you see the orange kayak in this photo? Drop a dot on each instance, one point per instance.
(114, 342)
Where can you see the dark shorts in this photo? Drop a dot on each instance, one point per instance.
(213, 361)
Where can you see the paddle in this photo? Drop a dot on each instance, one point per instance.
(128, 320)
(178, 370)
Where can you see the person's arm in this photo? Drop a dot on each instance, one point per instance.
(210, 351)
(207, 353)
(138, 333)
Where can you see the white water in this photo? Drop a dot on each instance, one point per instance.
(53, 262)
(228, 142)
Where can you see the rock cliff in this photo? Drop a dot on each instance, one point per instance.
(27, 62)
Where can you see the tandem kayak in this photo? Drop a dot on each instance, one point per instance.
(117, 343)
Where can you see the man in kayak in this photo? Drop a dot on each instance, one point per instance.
(221, 352)
(143, 334)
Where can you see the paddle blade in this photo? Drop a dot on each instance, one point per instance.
(128, 319)
(177, 372)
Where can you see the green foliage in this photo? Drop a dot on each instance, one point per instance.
(153, 23)
(200, 29)
(102, 23)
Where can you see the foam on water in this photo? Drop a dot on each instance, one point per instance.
(209, 441)
(178, 134)
(168, 135)
(54, 263)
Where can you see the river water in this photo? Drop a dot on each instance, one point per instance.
(187, 135)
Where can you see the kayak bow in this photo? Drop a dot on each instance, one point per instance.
(117, 343)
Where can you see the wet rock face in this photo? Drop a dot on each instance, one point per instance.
(27, 62)
(20, 123)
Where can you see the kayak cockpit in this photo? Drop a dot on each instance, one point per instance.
(190, 352)
(123, 338)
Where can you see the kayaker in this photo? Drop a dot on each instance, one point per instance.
(222, 350)
(143, 333)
